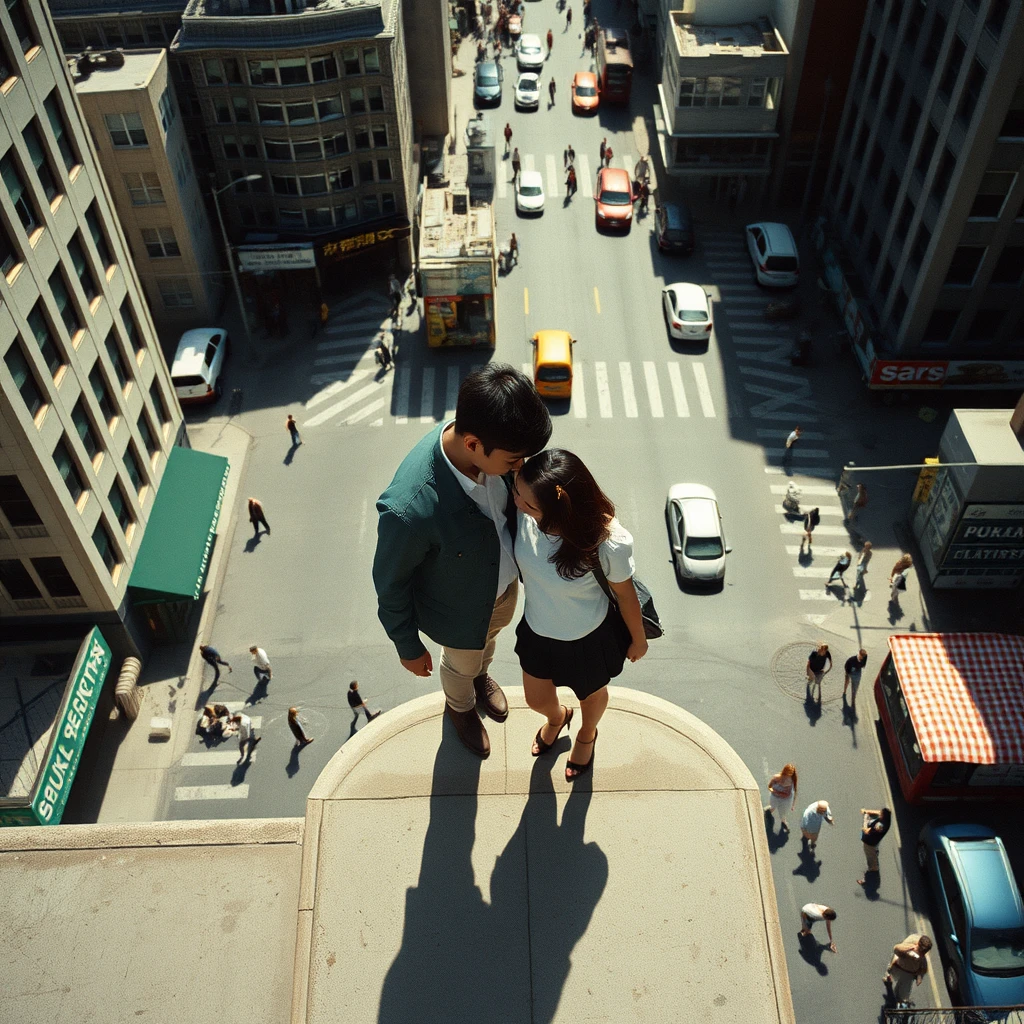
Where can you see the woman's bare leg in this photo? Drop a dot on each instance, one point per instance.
(593, 708)
(542, 697)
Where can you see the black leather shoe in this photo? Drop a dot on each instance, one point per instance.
(489, 693)
(470, 729)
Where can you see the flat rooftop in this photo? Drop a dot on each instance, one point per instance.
(135, 73)
(453, 227)
(748, 39)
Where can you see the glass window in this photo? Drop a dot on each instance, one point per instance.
(301, 113)
(37, 154)
(249, 147)
(122, 510)
(293, 70)
(222, 111)
(285, 185)
(102, 395)
(371, 61)
(964, 265)
(160, 243)
(943, 175)
(144, 188)
(997, 11)
(930, 55)
(147, 435)
(910, 122)
(376, 96)
(387, 202)
(9, 255)
(176, 292)
(308, 150)
(80, 418)
(241, 106)
(166, 108)
(6, 64)
(17, 580)
(68, 470)
(324, 68)
(270, 113)
(16, 504)
(342, 179)
(985, 326)
(263, 72)
(329, 107)
(756, 94)
(321, 217)
(350, 60)
(159, 406)
(117, 360)
(19, 196)
(336, 145)
(130, 328)
(40, 328)
(65, 306)
(99, 239)
(924, 154)
(291, 218)
(105, 546)
(55, 576)
(81, 264)
(23, 31)
(365, 172)
(371, 208)
(60, 132)
(349, 212)
(361, 136)
(357, 101)
(277, 149)
(313, 184)
(230, 145)
(384, 170)
(214, 73)
(1009, 267)
(134, 470)
(380, 136)
(24, 379)
(126, 130)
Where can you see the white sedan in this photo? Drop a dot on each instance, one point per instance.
(698, 537)
(687, 311)
(528, 91)
(530, 192)
(529, 52)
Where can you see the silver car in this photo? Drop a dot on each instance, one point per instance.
(530, 52)
(698, 537)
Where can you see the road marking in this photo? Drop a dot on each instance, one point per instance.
(824, 492)
(224, 792)
(825, 595)
(502, 180)
(403, 384)
(604, 395)
(341, 406)
(821, 472)
(817, 620)
(793, 549)
(368, 411)
(336, 388)
(427, 396)
(353, 327)
(825, 510)
(675, 377)
(352, 358)
(825, 531)
(452, 393)
(528, 163)
(703, 391)
(597, 300)
(585, 178)
(549, 162)
(356, 343)
(814, 572)
(526, 301)
(210, 758)
(628, 394)
(579, 395)
(653, 390)
(798, 451)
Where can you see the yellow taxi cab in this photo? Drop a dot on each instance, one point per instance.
(552, 363)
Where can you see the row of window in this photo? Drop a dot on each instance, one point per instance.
(319, 218)
(325, 147)
(312, 111)
(51, 575)
(24, 34)
(984, 328)
(128, 33)
(340, 180)
(726, 91)
(353, 60)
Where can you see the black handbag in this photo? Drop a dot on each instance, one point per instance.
(648, 613)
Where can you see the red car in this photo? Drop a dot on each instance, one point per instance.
(613, 197)
(585, 99)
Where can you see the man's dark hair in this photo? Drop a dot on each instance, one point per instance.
(500, 405)
(829, 914)
(353, 685)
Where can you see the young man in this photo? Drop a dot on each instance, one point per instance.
(212, 657)
(852, 669)
(909, 964)
(356, 702)
(811, 912)
(261, 665)
(444, 564)
(247, 738)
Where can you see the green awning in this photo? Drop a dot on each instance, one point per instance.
(175, 551)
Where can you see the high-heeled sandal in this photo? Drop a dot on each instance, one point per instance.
(542, 747)
(580, 769)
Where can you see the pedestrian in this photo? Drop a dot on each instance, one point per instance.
(908, 966)
(645, 195)
(839, 569)
(852, 668)
(261, 665)
(513, 248)
(212, 657)
(811, 819)
(569, 156)
(898, 577)
(604, 146)
(568, 19)
(570, 183)
(441, 568)
(862, 563)
(782, 788)
(257, 517)
(247, 738)
(860, 500)
(642, 170)
(516, 164)
(811, 912)
(586, 11)
(301, 739)
(382, 354)
(608, 156)
(791, 442)
(816, 662)
(293, 429)
(355, 702)
(874, 826)
(551, 39)
(551, 93)
(508, 136)
(811, 520)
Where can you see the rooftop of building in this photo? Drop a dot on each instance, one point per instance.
(453, 227)
(114, 70)
(748, 39)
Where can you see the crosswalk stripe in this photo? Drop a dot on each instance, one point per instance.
(451, 393)
(403, 385)
(797, 528)
(824, 510)
(744, 300)
(579, 394)
(604, 394)
(223, 792)
(809, 435)
(797, 452)
(340, 360)
(210, 758)
(826, 552)
(825, 595)
(675, 377)
(821, 472)
(336, 388)
(367, 411)
(585, 178)
(703, 390)
(342, 344)
(427, 396)
(628, 394)
(653, 391)
(549, 162)
(341, 406)
(825, 492)
(813, 572)
(529, 164)
(353, 326)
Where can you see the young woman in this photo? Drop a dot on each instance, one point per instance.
(570, 635)
(782, 794)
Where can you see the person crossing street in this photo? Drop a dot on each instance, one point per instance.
(568, 19)
(516, 164)
(570, 183)
(508, 136)
(551, 93)
(551, 39)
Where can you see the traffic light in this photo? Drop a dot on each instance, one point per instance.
(926, 480)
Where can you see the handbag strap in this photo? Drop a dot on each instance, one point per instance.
(603, 581)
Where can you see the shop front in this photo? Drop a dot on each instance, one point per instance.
(458, 302)
(366, 252)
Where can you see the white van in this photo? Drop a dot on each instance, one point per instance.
(197, 370)
(774, 252)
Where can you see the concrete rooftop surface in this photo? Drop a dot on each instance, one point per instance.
(424, 885)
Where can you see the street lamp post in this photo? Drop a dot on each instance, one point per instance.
(228, 252)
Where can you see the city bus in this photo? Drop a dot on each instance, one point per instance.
(614, 65)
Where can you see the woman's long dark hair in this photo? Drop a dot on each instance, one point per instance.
(572, 507)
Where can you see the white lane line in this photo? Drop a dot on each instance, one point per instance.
(336, 388)
(403, 385)
(579, 395)
(604, 394)
(653, 390)
(585, 178)
(367, 411)
(549, 162)
(825, 510)
(798, 451)
(825, 552)
(211, 758)
(340, 360)
(825, 595)
(797, 529)
(427, 396)
(341, 406)
(824, 492)
(703, 390)
(225, 792)
(675, 377)
(628, 394)
(451, 392)
(353, 327)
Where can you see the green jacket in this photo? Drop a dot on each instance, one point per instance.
(436, 565)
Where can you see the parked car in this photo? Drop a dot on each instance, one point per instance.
(687, 309)
(585, 98)
(673, 226)
(487, 81)
(613, 198)
(197, 371)
(530, 52)
(527, 96)
(979, 915)
(530, 192)
(698, 537)
(776, 259)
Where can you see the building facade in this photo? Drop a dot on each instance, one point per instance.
(137, 130)
(925, 189)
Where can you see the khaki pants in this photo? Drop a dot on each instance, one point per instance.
(871, 852)
(460, 667)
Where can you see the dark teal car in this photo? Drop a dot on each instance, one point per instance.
(979, 914)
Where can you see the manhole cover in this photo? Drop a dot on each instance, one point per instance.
(789, 670)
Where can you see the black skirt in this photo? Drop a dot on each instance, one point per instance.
(584, 665)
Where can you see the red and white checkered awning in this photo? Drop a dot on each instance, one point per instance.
(965, 694)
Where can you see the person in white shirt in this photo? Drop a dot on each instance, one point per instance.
(571, 634)
(811, 912)
(247, 737)
(261, 665)
(810, 822)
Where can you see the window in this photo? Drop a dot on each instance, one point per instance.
(68, 471)
(910, 122)
(972, 92)
(924, 154)
(880, 69)
(371, 208)
(98, 238)
(300, 113)
(349, 213)
(384, 170)
(324, 69)
(24, 379)
(40, 328)
(122, 510)
(992, 193)
(22, 29)
(241, 106)
(380, 136)
(894, 14)
(321, 217)
(270, 113)
(365, 172)
(1009, 267)
(892, 188)
(892, 101)
(60, 132)
(6, 64)
(930, 56)
(940, 327)
(277, 150)
(943, 175)
(906, 216)
(329, 107)
(336, 145)
(102, 395)
(356, 101)
(361, 135)
(176, 293)
(350, 60)
(131, 464)
(313, 184)
(756, 95)
(160, 243)
(16, 504)
(342, 179)
(130, 328)
(214, 72)
(166, 107)
(310, 149)
(371, 60)
(144, 188)
(159, 406)
(997, 11)
(147, 435)
(81, 264)
(105, 546)
(985, 326)
(117, 360)
(55, 576)
(37, 154)
(222, 111)
(80, 418)
(291, 218)
(65, 306)
(964, 266)
(9, 255)
(947, 83)
(263, 72)
(387, 202)
(17, 581)
(19, 196)
(126, 130)
(922, 240)
(293, 70)
(376, 96)
(285, 185)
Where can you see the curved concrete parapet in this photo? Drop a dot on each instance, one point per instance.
(438, 887)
